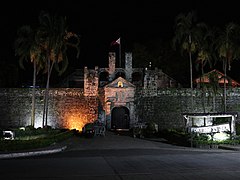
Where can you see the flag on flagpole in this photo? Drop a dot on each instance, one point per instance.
(115, 42)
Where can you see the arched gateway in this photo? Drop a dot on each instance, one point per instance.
(120, 118)
(119, 104)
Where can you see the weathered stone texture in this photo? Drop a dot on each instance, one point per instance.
(65, 105)
(165, 107)
(91, 82)
(68, 107)
(128, 66)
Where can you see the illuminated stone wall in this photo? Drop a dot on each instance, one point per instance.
(68, 108)
(90, 81)
(128, 66)
(165, 106)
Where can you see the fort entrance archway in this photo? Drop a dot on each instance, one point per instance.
(120, 118)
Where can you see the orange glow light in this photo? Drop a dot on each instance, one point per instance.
(76, 121)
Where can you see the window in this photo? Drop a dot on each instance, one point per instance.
(120, 84)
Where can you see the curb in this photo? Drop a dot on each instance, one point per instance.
(229, 148)
(34, 153)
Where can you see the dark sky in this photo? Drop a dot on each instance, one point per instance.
(100, 22)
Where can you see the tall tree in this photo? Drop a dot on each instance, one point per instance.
(187, 35)
(54, 39)
(228, 49)
(205, 56)
(45, 46)
(27, 49)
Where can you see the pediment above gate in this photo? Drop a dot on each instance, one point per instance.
(120, 83)
(119, 93)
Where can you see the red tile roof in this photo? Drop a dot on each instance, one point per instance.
(205, 78)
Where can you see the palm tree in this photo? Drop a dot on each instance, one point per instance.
(27, 49)
(187, 35)
(227, 46)
(205, 55)
(45, 46)
(54, 40)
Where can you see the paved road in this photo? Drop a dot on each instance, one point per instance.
(120, 157)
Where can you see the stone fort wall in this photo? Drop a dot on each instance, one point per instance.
(69, 108)
(166, 106)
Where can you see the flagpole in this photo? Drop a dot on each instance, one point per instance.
(118, 42)
(120, 55)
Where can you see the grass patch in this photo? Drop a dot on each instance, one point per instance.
(47, 139)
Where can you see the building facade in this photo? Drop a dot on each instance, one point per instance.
(119, 97)
(116, 88)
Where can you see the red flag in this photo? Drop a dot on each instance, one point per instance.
(115, 42)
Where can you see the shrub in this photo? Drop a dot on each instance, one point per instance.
(27, 128)
(201, 139)
(176, 136)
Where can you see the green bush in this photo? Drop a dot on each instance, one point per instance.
(29, 128)
(183, 138)
(175, 136)
(201, 139)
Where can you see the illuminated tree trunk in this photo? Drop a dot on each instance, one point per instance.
(225, 87)
(190, 63)
(46, 98)
(33, 93)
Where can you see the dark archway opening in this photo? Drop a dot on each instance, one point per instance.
(120, 118)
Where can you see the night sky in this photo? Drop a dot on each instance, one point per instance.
(101, 22)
